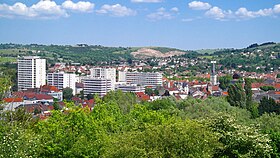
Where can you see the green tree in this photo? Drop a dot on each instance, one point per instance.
(5, 85)
(149, 91)
(250, 105)
(268, 105)
(267, 88)
(56, 106)
(156, 92)
(89, 96)
(67, 93)
(82, 95)
(125, 100)
(236, 96)
(36, 111)
(224, 82)
(269, 124)
(177, 139)
(248, 91)
(239, 140)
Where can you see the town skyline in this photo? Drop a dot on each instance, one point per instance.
(187, 25)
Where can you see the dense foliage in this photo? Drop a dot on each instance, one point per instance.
(121, 126)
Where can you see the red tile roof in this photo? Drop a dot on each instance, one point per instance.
(277, 86)
(142, 96)
(257, 85)
(48, 88)
(9, 100)
(215, 88)
(76, 99)
(225, 93)
(30, 95)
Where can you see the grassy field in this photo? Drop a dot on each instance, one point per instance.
(12, 52)
(7, 59)
(209, 51)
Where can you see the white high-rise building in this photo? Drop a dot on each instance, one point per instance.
(31, 72)
(62, 80)
(213, 76)
(104, 73)
(142, 78)
(100, 86)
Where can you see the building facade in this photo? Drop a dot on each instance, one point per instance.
(213, 76)
(105, 73)
(31, 72)
(130, 88)
(100, 86)
(146, 79)
(62, 80)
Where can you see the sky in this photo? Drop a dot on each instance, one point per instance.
(183, 24)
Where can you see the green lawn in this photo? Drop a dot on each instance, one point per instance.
(206, 57)
(7, 59)
(209, 51)
(11, 52)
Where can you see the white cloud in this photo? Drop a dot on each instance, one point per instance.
(42, 9)
(241, 13)
(246, 14)
(146, 1)
(48, 9)
(276, 8)
(80, 6)
(116, 10)
(198, 5)
(161, 14)
(188, 20)
(218, 13)
(174, 9)
(18, 9)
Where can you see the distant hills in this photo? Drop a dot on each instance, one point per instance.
(97, 54)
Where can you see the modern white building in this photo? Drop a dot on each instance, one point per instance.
(145, 79)
(130, 88)
(31, 72)
(104, 73)
(121, 76)
(100, 86)
(213, 77)
(62, 80)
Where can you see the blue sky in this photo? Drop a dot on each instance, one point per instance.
(183, 24)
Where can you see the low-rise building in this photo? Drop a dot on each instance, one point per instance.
(146, 79)
(100, 86)
(130, 88)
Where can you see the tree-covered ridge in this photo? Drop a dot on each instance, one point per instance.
(81, 53)
(121, 126)
(255, 58)
(261, 58)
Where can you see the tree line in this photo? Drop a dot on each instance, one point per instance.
(120, 125)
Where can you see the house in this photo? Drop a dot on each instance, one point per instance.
(33, 97)
(12, 103)
(142, 96)
(36, 108)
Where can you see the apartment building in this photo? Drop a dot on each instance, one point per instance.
(146, 79)
(31, 72)
(62, 80)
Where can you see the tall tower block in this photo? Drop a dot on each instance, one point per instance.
(31, 72)
(213, 77)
